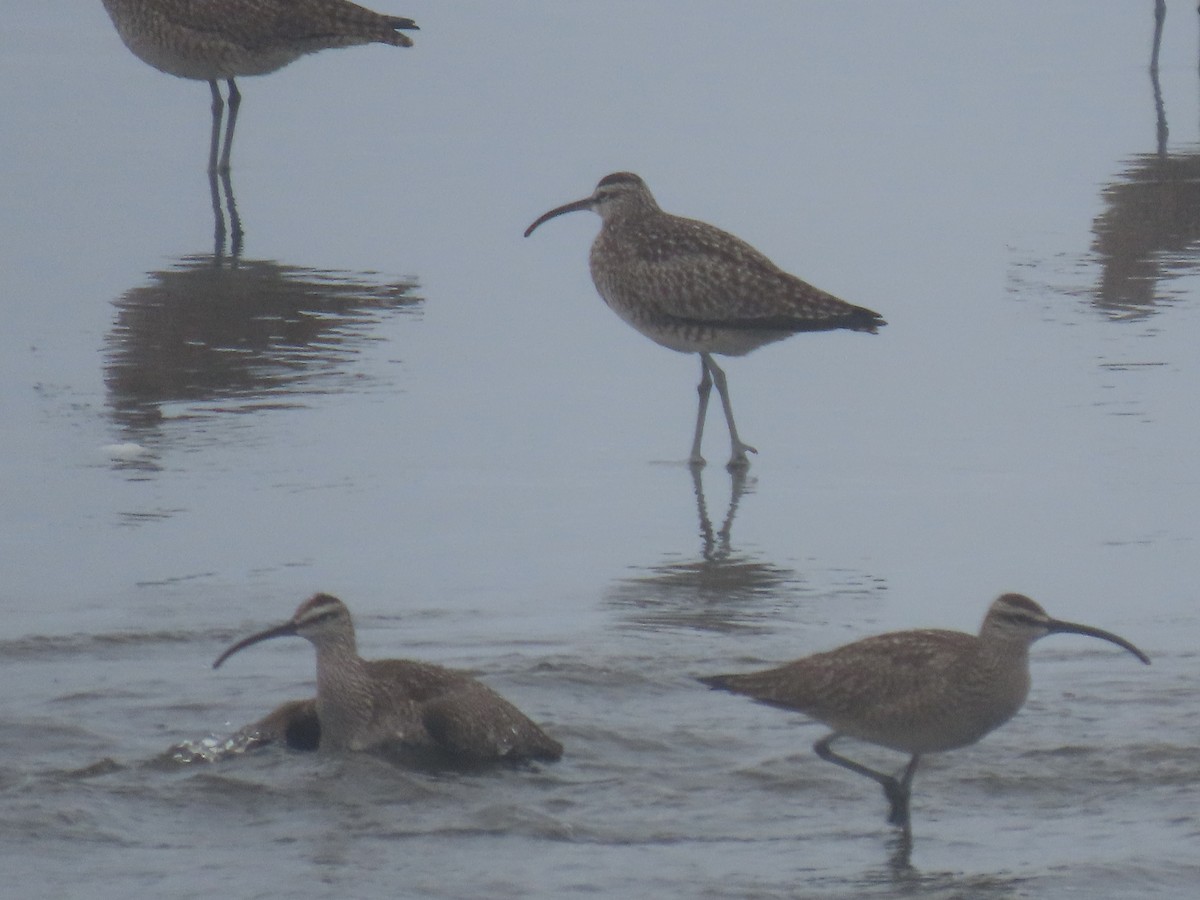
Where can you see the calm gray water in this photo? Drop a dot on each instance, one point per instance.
(394, 397)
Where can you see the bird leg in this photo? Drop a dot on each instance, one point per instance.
(703, 389)
(737, 459)
(1160, 15)
(218, 109)
(899, 792)
(896, 790)
(901, 858)
(235, 100)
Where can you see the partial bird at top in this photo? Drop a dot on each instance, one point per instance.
(209, 40)
(697, 289)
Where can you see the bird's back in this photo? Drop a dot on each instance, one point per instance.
(684, 281)
(464, 718)
(915, 691)
(425, 713)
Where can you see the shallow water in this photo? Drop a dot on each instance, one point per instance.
(392, 396)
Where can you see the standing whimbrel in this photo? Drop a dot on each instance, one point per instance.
(696, 289)
(413, 708)
(915, 691)
(210, 40)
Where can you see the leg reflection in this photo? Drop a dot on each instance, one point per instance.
(216, 184)
(717, 545)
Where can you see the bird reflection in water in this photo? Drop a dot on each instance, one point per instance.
(211, 336)
(723, 590)
(217, 182)
(1160, 17)
(1149, 231)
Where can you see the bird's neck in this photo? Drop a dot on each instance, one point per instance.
(344, 699)
(1004, 664)
(632, 211)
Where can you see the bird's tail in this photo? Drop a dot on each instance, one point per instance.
(398, 26)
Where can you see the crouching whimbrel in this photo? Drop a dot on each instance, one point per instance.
(210, 40)
(409, 708)
(915, 691)
(694, 288)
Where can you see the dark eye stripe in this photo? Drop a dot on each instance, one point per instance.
(1021, 618)
(314, 618)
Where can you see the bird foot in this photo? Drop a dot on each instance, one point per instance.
(738, 460)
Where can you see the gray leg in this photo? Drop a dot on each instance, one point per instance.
(737, 459)
(703, 389)
(235, 100)
(901, 858)
(218, 109)
(1160, 15)
(900, 797)
(897, 791)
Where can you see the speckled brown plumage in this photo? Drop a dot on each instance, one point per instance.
(913, 691)
(919, 691)
(402, 707)
(211, 40)
(694, 288)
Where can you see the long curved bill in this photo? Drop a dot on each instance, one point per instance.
(287, 628)
(585, 203)
(1057, 626)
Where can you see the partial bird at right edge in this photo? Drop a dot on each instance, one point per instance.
(694, 288)
(917, 692)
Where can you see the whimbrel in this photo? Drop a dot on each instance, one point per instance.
(412, 708)
(694, 288)
(211, 40)
(915, 691)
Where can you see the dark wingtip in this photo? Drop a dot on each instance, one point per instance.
(395, 36)
(715, 682)
(868, 321)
